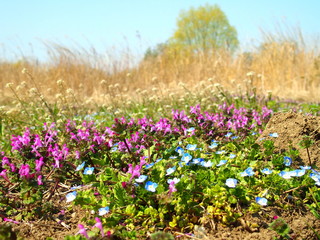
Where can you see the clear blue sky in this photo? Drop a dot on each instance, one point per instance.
(26, 24)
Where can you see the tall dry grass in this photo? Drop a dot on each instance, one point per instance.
(281, 65)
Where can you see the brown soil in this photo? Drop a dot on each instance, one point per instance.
(291, 128)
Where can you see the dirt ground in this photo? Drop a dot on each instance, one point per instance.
(291, 128)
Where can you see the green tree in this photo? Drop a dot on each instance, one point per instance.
(204, 29)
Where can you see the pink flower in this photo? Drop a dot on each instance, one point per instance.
(39, 179)
(172, 188)
(99, 225)
(4, 175)
(82, 231)
(10, 220)
(24, 171)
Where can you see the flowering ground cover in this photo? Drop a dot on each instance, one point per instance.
(194, 172)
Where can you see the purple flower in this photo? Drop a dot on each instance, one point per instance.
(99, 225)
(39, 180)
(172, 187)
(39, 164)
(82, 231)
(4, 175)
(24, 171)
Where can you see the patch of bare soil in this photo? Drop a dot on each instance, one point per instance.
(291, 129)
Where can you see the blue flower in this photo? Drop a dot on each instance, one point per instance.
(175, 180)
(214, 144)
(88, 170)
(248, 172)
(190, 129)
(151, 186)
(206, 164)
(186, 157)
(228, 134)
(305, 167)
(173, 157)
(79, 167)
(298, 172)
(141, 178)
(179, 150)
(231, 182)
(197, 160)
(234, 137)
(170, 170)
(148, 165)
(222, 162)
(266, 171)
(220, 152)
(275, 135)
(262, 201)
(191, 147)
(285, 175)
(71, 196)
(231, 155)
(103, 211)
(287, 161)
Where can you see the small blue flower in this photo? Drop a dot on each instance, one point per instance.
(191, 147)
(214, 144)
(103, 211)
(170, 170)
(175, 180)
(254, 133)
(151, 186)
(275, 135)
(228, 134)
(141, 178)
(88, 170)
(285, 175)
(186, 157)
(287, 161)
(148, 165)
(266, 171)
(173, 157)
(298, 172)
(197, 160)
(220, 152)
(191, 129)
(262, 201)
(231, 155)
(315, 177)
(222, 162)
(179, 150)
(234, 137)
(79, 167)
(305, 167)
(158, 160)
(248, 172)
(231, 182)
(206, 164)
(71, 196)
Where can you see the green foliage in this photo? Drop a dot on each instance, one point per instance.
(204, 29)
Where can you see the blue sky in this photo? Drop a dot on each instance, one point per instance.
(136, 24)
